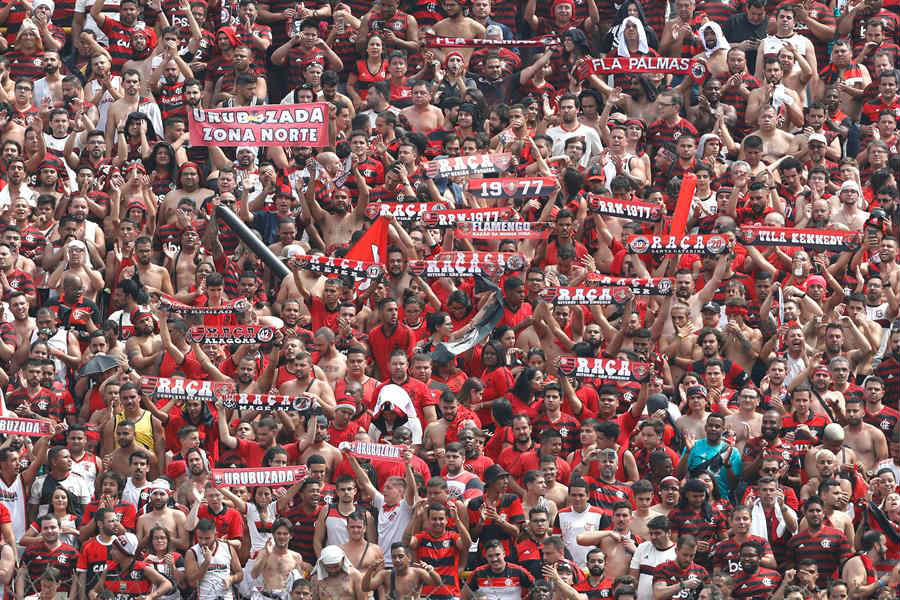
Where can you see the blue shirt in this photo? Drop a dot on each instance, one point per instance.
(703, 451)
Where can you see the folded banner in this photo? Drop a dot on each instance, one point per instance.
(184, 309)
(641, 286)
(29, 427)
(179, 388)
(264, 125)
(710, 244)
(259, 477)
(267, 402)
(640, 64)
(383, 452)
(231, 334)
(449, 218)
(332, 265)
(504, 230)
(467, 264)
(627, 209)
(604, 368)
(832, 240)
(475, 164)
(580, 295)
(456, 42)
(513, 187)
(402, 211)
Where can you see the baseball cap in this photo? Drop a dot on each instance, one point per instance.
(696, 390)
(710, 307)
(669, 480)
(817, 137)
(493, 473)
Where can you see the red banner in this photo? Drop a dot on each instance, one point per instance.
(456, 42)
(635, 210)
(584, 295)
(475, 164)
(180, 388)
(267, 402)
(711, 244)
(513, 187)
(265, 125)
(402, 211)
(833, 240)
(268, 476)
(640, 64)
(683, 204)
(603, 368)
(383, 452)
(449, 218)
(332, 265)
(654, 286)
(231, 334)
(504, 230)
(29, 427)
(467, 264)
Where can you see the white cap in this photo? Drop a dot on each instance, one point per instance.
(127, 542)
(817, 137)
(834, 432)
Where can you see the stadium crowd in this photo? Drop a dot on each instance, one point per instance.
(759, 456)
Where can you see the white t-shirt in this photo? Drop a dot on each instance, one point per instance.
(392, 522)
(590, 135)
(571, 523)
(77, 485)
(645, 560)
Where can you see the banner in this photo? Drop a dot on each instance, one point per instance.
(710, 244)
(467, 264)
(332, 265)
(263, 476)
(402, 211)
(179, 388)
(264, 125)
(449, 218)
(640, 286)
(475, 164)
(29, 427)
(174, 305)
(383, 452)
(504, 230)
(832, 240)
(683, 205)
(640, 64)
(635, 210)
(456, 42)
(582, 295)
(484, 321)
(603, 368)
(231, 334)
(267, 402)
(513, 187)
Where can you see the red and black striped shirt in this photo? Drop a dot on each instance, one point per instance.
(38, 558)
(827, 546)
(132, 583)
(119, 41)
(303, 531)
(727, 554)
(671, 573)
(761, 584)
(442, 554)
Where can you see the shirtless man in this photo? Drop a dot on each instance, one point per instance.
(680, 344)
(276, 563)
(77, 264)
(405, 578)
(422, 115)
(556, 491)
(306, 383)
(776, 142)
(867, 441)
(23, 326)
(774, 93)
(746, 423)
(361, 553)
(321, 446)
(337, 225)
(643, 499)
(742, 342)
(846, 210)
(185, 260)
(334, 578)
(171, 519)
(457, 24)
(145, 347)
(188, 186)
(131, 101)
(119, 460)
(618, 544)
(826, 468)
(332, 362)
(693, 423)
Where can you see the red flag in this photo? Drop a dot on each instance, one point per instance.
(372, 246)
(683, 206)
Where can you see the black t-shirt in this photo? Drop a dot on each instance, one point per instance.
(497, 91)
(739, 29)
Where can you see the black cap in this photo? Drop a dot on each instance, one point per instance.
(493, 473)
(711, 307)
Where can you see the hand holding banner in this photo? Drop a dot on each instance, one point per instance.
(29, 427)
(635, 210)
(504, 230)
(180, 388)
(449, 218)
(604, 368)
(709, 245)
(382, 452)
(832, 240)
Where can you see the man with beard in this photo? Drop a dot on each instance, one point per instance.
(403, 578)
(570, 127)
(768, 445)
(497, 575)
(160, 514)
(680, 576)
(342, 219)
(616, 546)
(754, 580)
(77, 264)
(867, 441)
(119, 460)
(278, 565)
(63, 345)
(145, 54)
(212, 565)
(32, 400)
(168, 82)
(457, 24)
(51, 551)
(154, 277)
(657, 550)
(305, 382)
(319, 446)
(726, 554)
(131, 102)
(446, 429)
(774, 94)
(825, 545)
(14, 280)
(198, 474)
(240, 85)
(859, 570)
(144, 348)
(888, 370)
(118, 31)
(423, 116)
(599, 582)
(335, 578)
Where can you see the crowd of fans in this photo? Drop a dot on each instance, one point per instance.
(759, 459)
